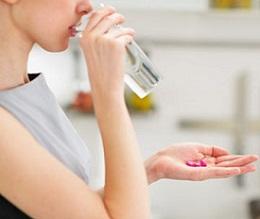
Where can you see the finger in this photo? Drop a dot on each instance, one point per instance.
(117, 32)
(214, 151)
(227, 158)
(239, 161)
(97, 16)
(247, 169)
(126, 39)
(218, 172)
(108, 23)
(223, 172)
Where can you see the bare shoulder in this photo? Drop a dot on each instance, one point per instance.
(36, 182)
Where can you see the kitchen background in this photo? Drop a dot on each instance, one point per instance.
(209, 55)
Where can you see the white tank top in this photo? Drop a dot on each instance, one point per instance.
(36, 107)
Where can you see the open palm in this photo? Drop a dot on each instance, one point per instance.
(171, 162)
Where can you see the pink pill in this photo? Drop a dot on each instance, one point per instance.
(192, 163)
(200, 163)
(203, 163)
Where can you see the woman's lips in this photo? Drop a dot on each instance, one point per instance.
(73, 30)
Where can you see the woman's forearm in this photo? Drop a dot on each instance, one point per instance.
(126, 188)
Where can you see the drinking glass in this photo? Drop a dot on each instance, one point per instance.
(141, 75)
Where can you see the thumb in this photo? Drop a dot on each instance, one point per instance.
(203, 173)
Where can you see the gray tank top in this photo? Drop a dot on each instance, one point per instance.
(36, 107)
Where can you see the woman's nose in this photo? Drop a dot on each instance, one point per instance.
(84, 7)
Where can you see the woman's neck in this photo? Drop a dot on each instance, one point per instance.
(14, 52)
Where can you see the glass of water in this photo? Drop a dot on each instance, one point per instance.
(141, 75)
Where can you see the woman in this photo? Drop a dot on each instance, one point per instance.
(43, 162)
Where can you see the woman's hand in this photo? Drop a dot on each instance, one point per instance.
(104, 50)
(170, 163)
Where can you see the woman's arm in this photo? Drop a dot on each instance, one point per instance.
(125, 191)
(170, 163)
(37, 183)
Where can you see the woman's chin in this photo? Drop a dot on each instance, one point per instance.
(56, 47)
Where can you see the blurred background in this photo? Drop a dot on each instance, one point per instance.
(208, 52)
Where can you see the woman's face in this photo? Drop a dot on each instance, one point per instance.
(48, 22)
